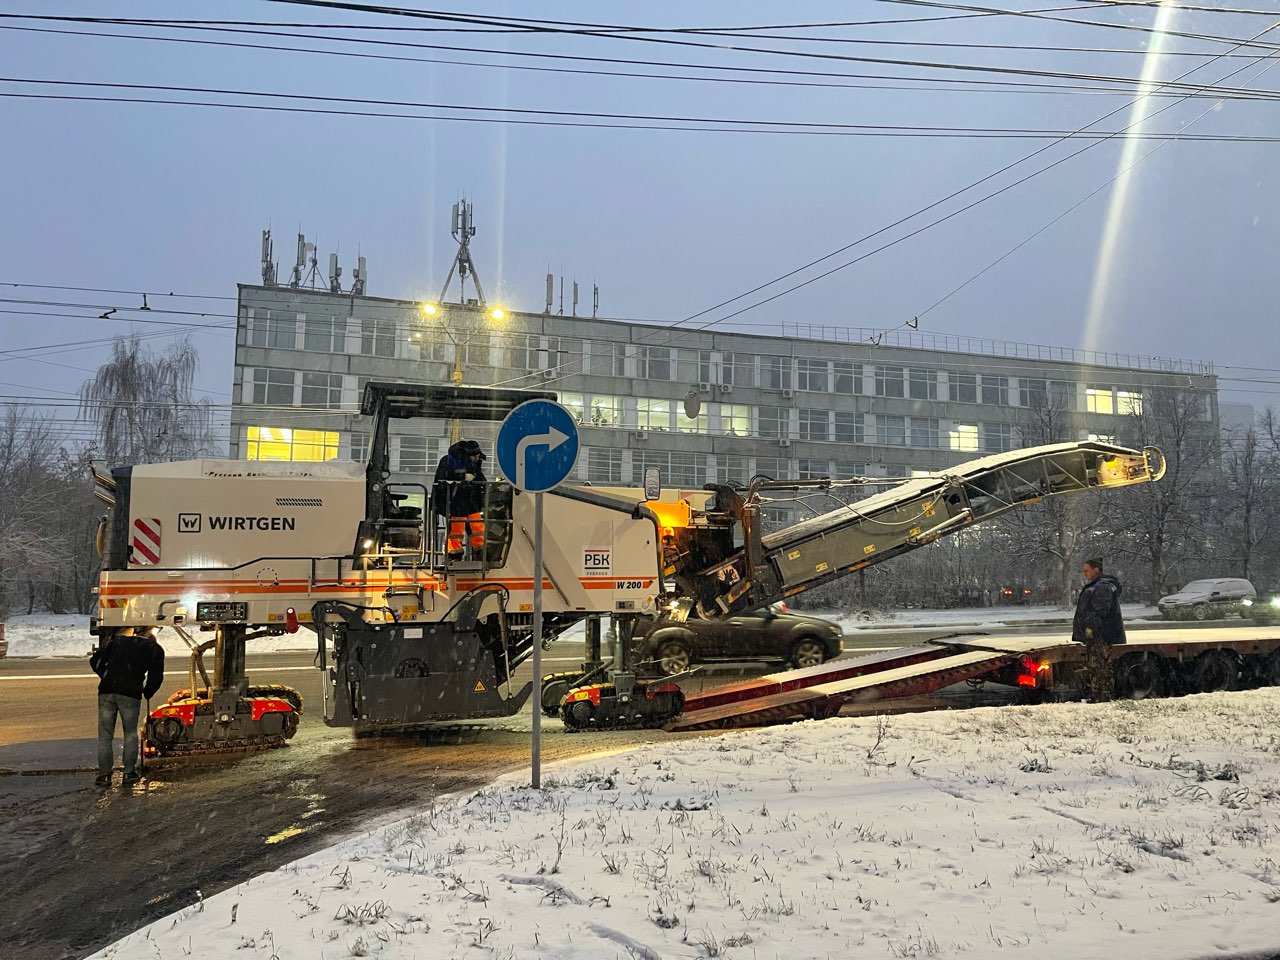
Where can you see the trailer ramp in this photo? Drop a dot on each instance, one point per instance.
(819, 692)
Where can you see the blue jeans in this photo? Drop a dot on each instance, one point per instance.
(111, 705)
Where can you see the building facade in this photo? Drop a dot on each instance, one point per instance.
(824, 402)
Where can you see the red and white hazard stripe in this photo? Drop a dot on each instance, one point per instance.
(146, 541)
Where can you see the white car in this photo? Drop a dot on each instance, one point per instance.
(1208, 599)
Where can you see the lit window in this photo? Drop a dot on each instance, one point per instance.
(606, 411)
(573, 402)
(699, 424)
(653, 414)
(735, 419)
(284, 443)
(1099, 400)
(1129, 403)
(963, 437)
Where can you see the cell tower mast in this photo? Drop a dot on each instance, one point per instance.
(463, 230)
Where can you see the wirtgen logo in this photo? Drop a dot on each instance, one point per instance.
(192, 523)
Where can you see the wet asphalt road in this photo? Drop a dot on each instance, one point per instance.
(81, 867)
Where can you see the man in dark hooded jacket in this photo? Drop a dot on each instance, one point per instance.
(458, 495)
(130, 666)
(1098, 624)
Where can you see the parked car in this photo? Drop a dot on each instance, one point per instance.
(1208, 599)
(771, 634)
(1263, 609)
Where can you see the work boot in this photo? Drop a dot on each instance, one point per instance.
(128, 780)
(102, 780)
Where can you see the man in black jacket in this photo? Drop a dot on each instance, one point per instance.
(130, 665)
(457, 495)
(1098, 624)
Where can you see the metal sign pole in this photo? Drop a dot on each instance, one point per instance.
(537, 641)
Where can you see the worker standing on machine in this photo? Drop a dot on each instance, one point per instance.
(130, 666)
(1098, 624)
(458, 496)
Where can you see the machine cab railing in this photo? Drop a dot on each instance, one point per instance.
(462, 526)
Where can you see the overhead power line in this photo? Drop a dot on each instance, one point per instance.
(593, 119)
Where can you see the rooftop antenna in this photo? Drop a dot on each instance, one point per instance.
(268, 262)
(312, 265)
(295, 278)
(463, 230)
(335, 274)
(551, 293)
(562, 294)
(575, 298)
(359, 278)
(595, 300)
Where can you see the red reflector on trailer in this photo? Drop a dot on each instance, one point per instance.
(1026, 679)
(291, 620)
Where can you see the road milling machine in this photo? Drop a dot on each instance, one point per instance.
(412, 630)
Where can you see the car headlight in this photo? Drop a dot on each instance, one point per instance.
(1246, 602)
(1275, 601)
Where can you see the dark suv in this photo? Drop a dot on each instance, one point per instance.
(772, 634)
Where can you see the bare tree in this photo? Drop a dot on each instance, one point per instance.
(142, 407)
(1165, 521)
(33, 550)
(1248, 517)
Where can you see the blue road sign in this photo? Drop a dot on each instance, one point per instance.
(537, 445)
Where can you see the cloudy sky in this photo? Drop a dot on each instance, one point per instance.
(1177, 257)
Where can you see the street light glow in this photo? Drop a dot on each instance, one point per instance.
(497, 313)
(428, 309)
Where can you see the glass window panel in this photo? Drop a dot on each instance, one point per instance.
(889, 381)
(413, 454)
(652, 414)
(774, 422)
(995, 390)
(325, 334)
(284, 443)
(322, 390)
(1129, 403)
(924, 431)
(775, 373)
(964, 387)
(811, 375)
(848, 377)
(1099, 400)
(733, 469)
(922, 384)
(997, 437)
(735, 419)
(848, 427)
(891, 431)
(963, 437)
(606, 411)
(814, 424)
(574, 403)
(273, 386)
(604, 465)
(378, 337)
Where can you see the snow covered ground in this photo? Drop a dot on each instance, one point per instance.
(1138, 830)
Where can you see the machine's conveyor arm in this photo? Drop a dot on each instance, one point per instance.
(770, 567)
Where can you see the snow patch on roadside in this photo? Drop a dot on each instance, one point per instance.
(1147, 829)
(67, 635)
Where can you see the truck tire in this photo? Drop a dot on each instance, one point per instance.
(1139, 676)
(674, 656)
(807, 652)
(1214, 671)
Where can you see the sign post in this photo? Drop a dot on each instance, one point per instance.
(537, 449)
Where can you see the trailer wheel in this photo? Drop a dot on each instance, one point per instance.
(1214, 671)
(1200, 611)
(1139, 676)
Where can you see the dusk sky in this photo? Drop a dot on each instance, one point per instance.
(172, 198)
